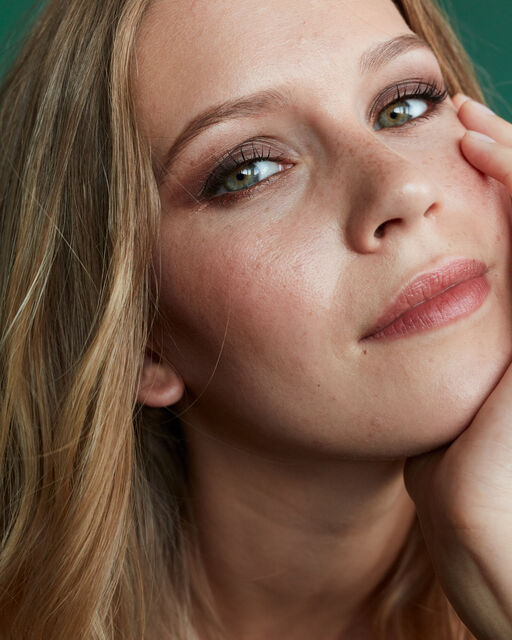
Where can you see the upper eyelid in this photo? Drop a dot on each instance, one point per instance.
(220, 169)
(384, 98)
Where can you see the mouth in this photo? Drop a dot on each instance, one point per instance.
(434, 299)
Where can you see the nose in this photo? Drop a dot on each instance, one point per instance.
(391, 194)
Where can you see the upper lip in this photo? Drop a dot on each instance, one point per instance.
(428, 285)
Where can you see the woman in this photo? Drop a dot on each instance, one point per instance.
(253, 263)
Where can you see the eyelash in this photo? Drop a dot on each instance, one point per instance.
(429, 91)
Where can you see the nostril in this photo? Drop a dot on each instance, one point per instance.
(379, 231)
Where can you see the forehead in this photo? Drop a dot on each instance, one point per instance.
(195, 53)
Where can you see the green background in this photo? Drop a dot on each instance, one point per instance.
(484, 27)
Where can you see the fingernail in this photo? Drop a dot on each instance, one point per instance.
(483, 108)
(479, 105)
(480, 136)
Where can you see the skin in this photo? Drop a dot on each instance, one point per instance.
(297, 429)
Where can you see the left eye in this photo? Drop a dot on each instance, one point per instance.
(247, 175)
(400, 112)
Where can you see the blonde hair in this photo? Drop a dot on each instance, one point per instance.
(97, 541)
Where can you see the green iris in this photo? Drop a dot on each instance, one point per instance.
(400, 112)
(242, 178)
(247, 175)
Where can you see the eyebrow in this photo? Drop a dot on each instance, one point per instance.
(260, 102)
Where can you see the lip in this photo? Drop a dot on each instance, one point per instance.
(428, 286)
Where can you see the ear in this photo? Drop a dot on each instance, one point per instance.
(160, 384)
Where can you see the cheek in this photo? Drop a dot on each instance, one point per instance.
(472, 204)
(486, 207)
(269, 287)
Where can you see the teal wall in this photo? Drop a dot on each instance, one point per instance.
(15, 17)
(485, 27)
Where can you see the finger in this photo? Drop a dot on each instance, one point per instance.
(477, 117)
(458, 99)
(490, 157)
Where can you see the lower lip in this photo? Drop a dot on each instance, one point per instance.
(457, 302)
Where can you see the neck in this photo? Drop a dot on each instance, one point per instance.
(291, 548)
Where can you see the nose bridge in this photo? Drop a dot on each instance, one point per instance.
(389, 194)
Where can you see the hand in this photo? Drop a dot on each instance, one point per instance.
(494, 159)
(463, 492)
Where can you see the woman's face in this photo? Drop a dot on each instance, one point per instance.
(276, 262)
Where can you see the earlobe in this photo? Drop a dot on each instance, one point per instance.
(160, 384)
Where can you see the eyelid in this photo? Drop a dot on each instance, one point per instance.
(397, 90)
(246, 152)
(225, 200)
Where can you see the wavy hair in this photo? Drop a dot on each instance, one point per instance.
(97, 542)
